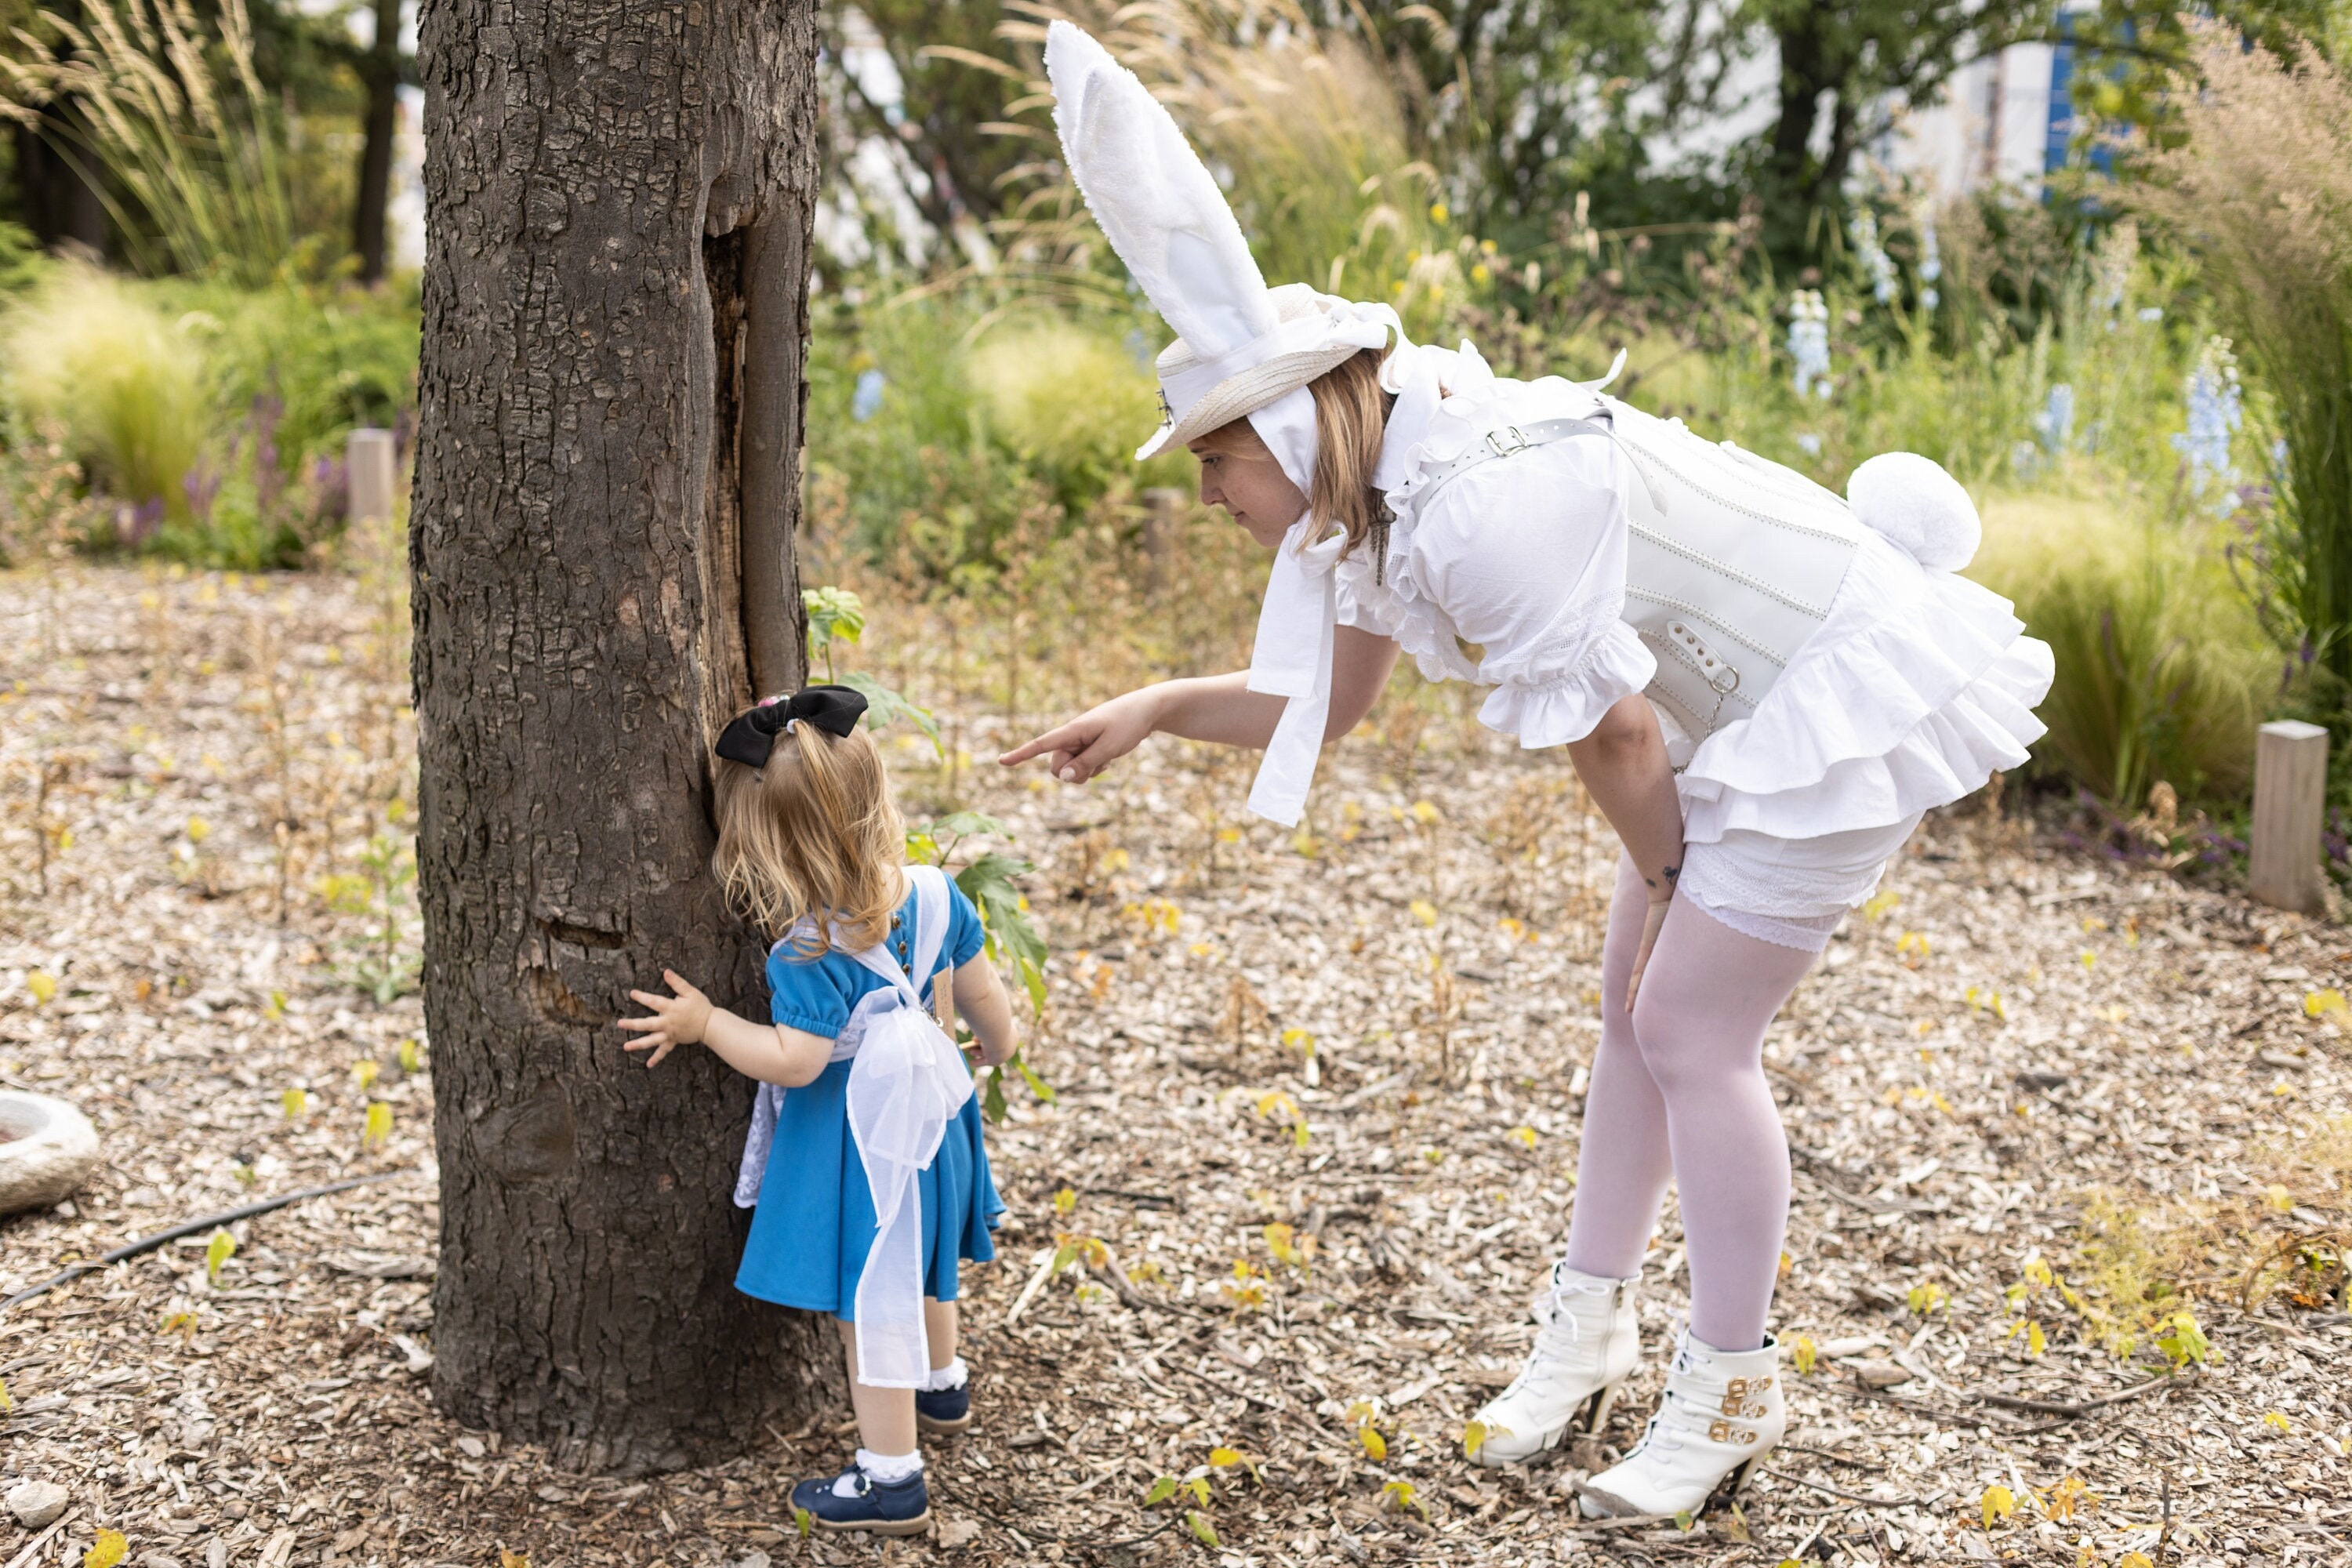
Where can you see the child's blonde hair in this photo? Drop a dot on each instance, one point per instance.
(811, 846)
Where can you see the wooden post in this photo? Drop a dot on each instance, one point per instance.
(2290, 801)
(1159, 533)
(368, 459)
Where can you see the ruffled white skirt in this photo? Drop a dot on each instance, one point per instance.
(1918, 687)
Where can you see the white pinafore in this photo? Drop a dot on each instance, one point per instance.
(907, 1082)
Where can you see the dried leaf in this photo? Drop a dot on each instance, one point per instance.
(107, 1550)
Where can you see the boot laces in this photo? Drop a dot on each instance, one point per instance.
(1548, 1351)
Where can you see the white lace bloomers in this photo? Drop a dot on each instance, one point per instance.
(1917, 686)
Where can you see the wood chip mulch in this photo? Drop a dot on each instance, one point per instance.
(2014, 1059)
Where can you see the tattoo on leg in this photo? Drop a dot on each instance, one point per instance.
(1672, 873)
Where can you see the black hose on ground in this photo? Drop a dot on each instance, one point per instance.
(164, 1237)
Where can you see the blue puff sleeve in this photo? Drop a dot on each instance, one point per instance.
(812, 994)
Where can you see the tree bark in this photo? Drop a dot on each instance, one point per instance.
(381, 69)
(616, 294)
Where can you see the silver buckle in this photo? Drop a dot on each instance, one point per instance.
(1519, 443)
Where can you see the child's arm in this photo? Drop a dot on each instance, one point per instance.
(772, 1053)
(979, 997)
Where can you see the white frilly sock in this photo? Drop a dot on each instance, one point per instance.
(955, 1374)
(885, 1470)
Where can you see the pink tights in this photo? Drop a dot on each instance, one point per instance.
(1678, 1089)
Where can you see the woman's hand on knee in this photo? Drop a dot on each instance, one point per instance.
(1093, 740)
(1653, 921)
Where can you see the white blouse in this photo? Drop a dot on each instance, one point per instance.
(1917, 687)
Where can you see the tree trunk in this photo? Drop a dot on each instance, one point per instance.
(616, 294)
(382, 70)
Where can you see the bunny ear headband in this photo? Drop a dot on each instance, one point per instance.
(1242, 350)
(751, 736)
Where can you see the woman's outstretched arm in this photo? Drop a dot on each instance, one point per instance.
(1215, 707)
(1625, 768)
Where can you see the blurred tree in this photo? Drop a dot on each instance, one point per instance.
(382, 68)
(946, 87)
(54, 198)
(1846, 69)
(1521, 105)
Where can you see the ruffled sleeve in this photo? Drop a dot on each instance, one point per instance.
(1526, 558)
(1555, 691)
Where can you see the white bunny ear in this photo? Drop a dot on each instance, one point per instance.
(1154, 198)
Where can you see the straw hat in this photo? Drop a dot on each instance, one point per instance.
(1240, 346)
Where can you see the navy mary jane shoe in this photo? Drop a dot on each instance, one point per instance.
(945, 1410)
(902, 1507)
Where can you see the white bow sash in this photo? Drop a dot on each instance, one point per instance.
(907, 1082)
(1292, 658)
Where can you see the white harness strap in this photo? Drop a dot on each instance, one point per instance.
(907, 1082)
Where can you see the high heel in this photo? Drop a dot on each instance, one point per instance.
(1585, 1349)
(1720, 1417)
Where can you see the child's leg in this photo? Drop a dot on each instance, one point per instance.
(886, 1416)
(939, 1328)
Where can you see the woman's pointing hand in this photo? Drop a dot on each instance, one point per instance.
(1093, 740)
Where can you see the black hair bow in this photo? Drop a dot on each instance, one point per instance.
(749, 737)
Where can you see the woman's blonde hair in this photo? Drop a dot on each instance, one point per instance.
(1351, 416)
(811, 846)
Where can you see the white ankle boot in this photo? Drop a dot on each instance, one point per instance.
(1585, 1347)
(1720, 1416)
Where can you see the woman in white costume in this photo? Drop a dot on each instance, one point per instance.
(1762, 686)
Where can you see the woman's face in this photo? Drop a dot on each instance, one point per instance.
(1243, 477)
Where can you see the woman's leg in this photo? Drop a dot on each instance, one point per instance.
(1706, 1001)
(886, 1416)
(1623, 1163)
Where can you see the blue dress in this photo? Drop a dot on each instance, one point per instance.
(815, 1221)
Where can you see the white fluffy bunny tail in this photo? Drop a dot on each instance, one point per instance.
(1912, 502)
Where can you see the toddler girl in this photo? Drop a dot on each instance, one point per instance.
(869, 1179)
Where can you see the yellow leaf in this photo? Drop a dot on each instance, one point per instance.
(512, 1558)
(1376, 1447)
(2036, 1342)
(108, 1550)
(1805, 1353)
(2319, 1004)
(1523, 1136)
(1064, 1201)
(2277, 1421)
(408, 1059)
(42, 986)
(1206, 1532)
(1221, 1458)
(1399, 1495)
(219, 1250)
(2087, 958)
(2279, 1198)
(1424, 912)
(198, 830)
(5, 1403)
(366, 1071)
(1474, 1438)
(1880, 904)
(1423, 813)
(1998, 1502)
(378, 1129)
(296, 1101)
(2134, 1559)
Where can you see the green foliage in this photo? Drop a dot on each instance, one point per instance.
(174, 113)
(122, 381)
(2161, 669)
(2262, 184)
(834, 615)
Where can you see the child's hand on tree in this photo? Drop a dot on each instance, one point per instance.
(678, 1020)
